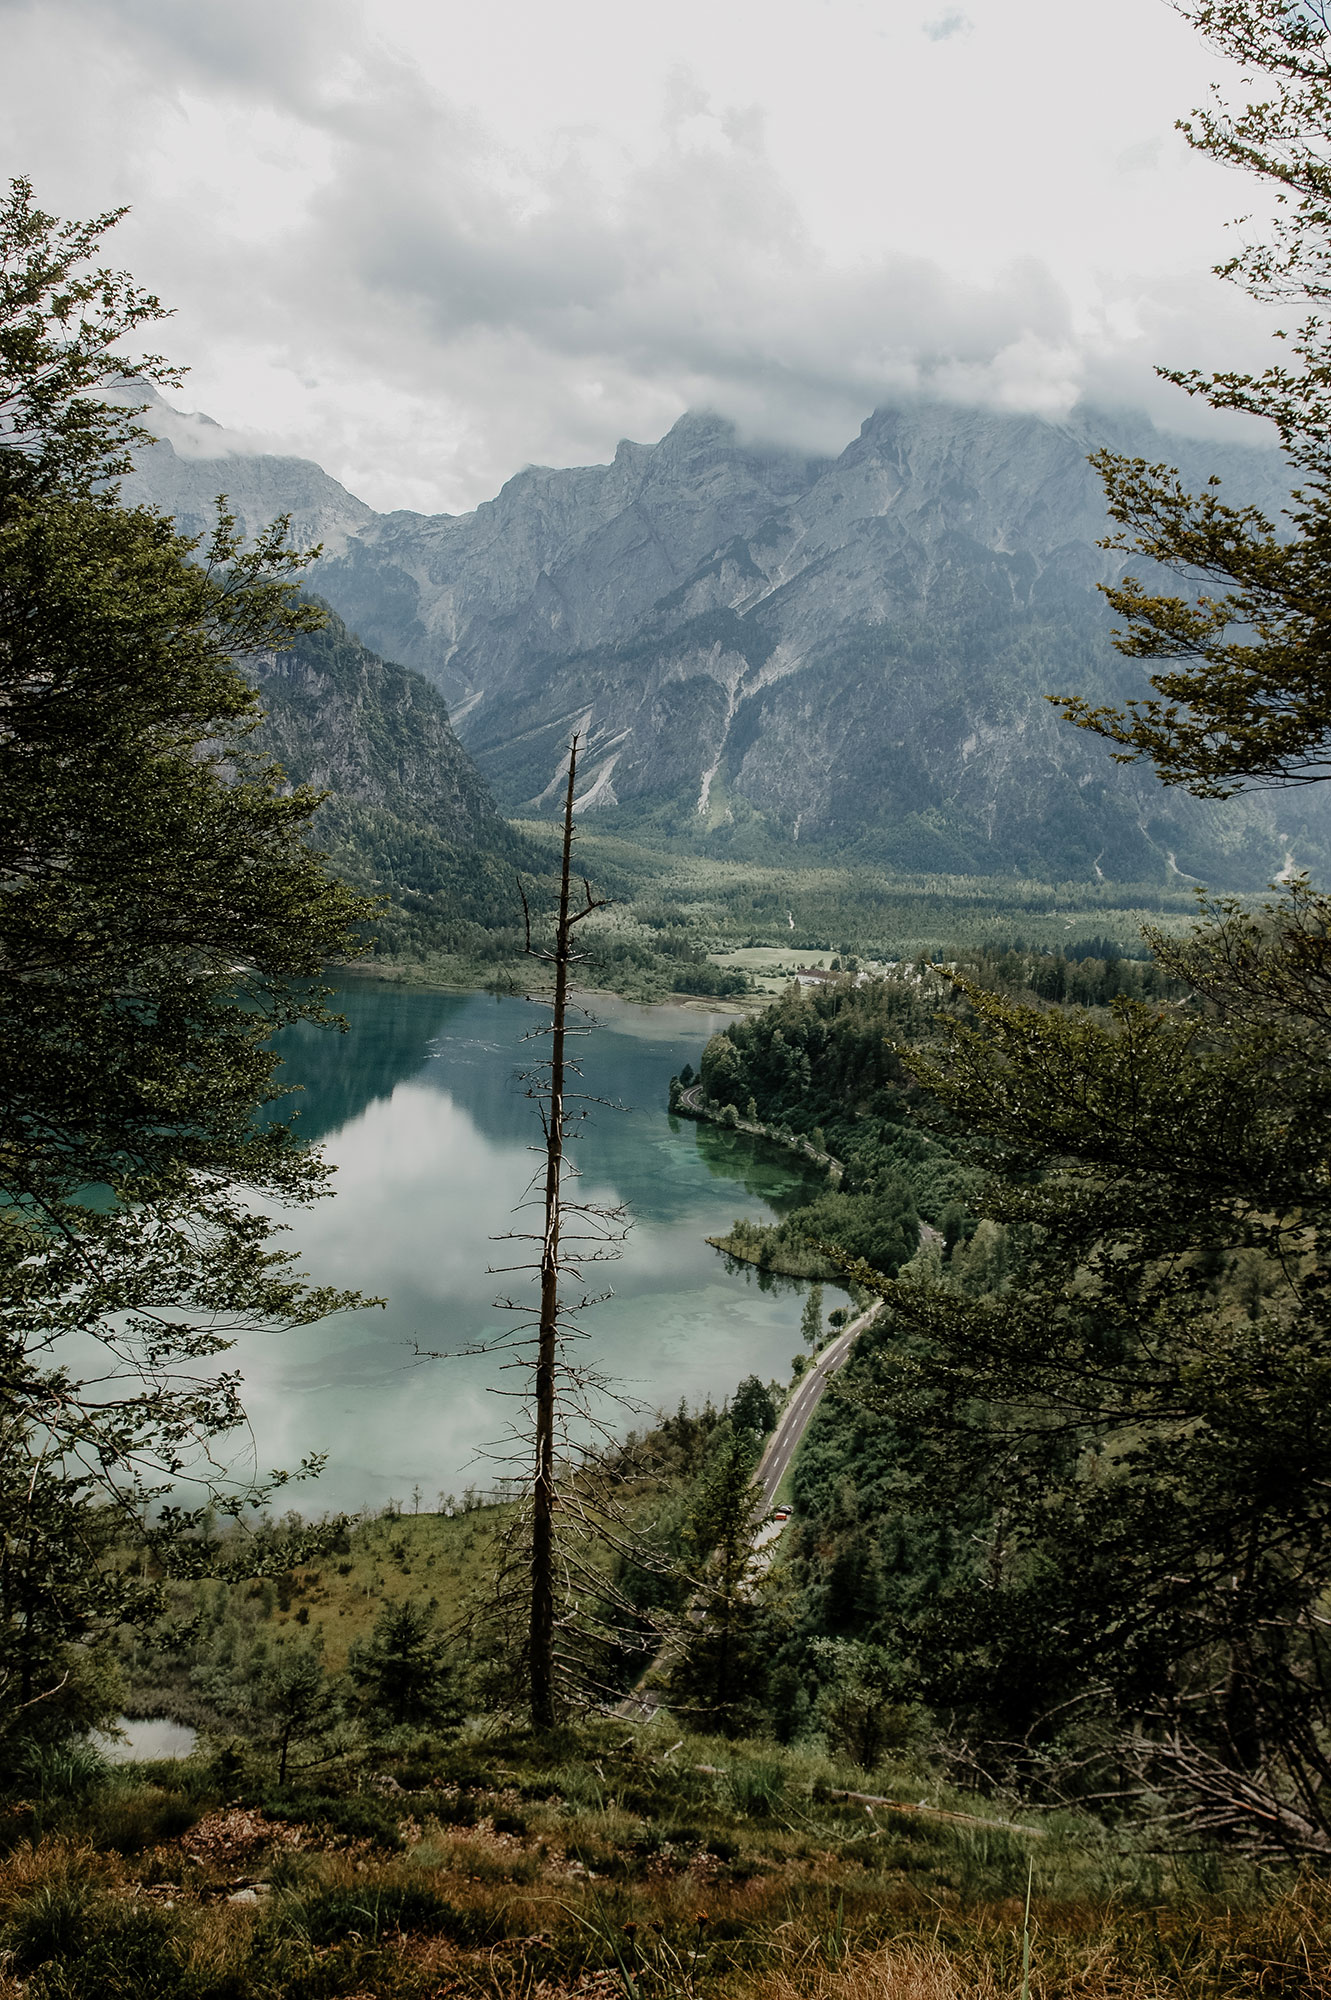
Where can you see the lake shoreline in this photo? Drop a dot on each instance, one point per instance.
(422, 1110)
(396, 973)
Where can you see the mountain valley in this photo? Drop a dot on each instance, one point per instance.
(776, 658)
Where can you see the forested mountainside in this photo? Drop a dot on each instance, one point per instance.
(770, 654)
(1102, 1343)
(407, 816)
(375, 734)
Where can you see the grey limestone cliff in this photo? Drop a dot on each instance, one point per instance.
(768, 653)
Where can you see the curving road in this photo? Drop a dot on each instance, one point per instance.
(784, 1441)
(794, 1421)
(642, 1704)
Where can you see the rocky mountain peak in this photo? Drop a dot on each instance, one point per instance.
(767, 649)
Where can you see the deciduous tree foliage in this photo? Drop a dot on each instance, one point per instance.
(753, 1407)
(160, 916)
(62, 318)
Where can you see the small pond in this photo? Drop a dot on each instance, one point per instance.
(138, 1741)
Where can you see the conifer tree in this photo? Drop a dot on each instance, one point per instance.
(1140, 1407)
(1243, 692)
(1150, 1438)
(718, 1669)
(541, 1656)
(555, 1572)
(404, 1670)
(62, 321)
(298, 1699)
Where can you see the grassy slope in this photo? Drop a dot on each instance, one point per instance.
(428, 1557)
(611, 1862)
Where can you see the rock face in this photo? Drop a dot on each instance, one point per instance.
(407, 816)
(195, 461)
(373, 734)
(768, 654)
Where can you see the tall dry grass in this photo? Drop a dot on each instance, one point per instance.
(602, 1870)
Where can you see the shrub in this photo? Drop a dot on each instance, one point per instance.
(461, 1811)
(114, 1954)
(128, 1819)
(54, 1923)
(67, 1770)
(361, 1817)
(332, 1915)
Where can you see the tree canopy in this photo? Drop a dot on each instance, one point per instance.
(1123, 1586)
(1243, 694)
(161, 916)
(1138, 1409)
(62, 319)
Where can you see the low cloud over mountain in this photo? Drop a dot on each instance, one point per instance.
(769, 651)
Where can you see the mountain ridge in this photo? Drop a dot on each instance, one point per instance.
(406, 816)
(767, 652)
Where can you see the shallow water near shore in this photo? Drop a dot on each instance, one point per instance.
(422, 1108)
(137, 1740)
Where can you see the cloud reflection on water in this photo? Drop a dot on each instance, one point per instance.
(429, 1170)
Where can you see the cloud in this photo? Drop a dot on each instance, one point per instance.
(693, 282)
(425, 290)
(280, 53)
(946, 25)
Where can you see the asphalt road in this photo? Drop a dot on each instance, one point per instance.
(785, 1439)
(784, 1442)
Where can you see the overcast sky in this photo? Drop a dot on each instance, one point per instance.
(426, 243)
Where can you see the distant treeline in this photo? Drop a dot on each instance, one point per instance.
(1090, 974)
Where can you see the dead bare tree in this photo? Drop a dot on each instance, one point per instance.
(552, 1623)
(554, 1115)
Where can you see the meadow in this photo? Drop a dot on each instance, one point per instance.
(611, 1859)
(683, 924)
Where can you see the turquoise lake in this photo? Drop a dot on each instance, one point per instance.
(422, 1109)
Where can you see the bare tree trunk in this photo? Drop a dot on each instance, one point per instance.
(542, 1642)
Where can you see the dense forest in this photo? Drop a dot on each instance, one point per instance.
(1107, 1331)
(1018, 1677)
(826, 1070)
